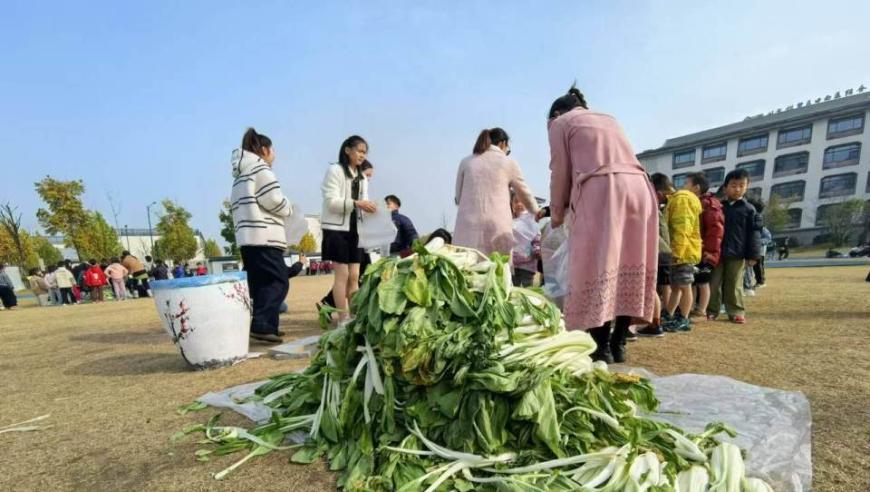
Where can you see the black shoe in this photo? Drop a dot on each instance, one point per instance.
(630, 336)
(617, 351)
(267, 337)
(601, 335)
(280, 333)
(651, 331)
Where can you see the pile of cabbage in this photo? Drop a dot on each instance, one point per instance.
(447, 378)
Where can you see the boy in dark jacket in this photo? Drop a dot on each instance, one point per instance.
(406, 234)
(741, 247)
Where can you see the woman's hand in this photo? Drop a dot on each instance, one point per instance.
(554, 222)
(366, 206)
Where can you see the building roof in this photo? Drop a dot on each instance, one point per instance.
(810, 110)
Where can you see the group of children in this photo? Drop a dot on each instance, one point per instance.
(707, 242)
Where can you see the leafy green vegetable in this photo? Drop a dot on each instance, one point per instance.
(450, 379)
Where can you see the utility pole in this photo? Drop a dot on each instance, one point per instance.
(127, 236)
(150, 233)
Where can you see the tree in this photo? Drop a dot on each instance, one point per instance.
(776, 217)
(65, 214)
(178, 241)
(10, 222)
(841, 218)
(307, 244)
(211, 249)
(10, 254)
(46, 251)
(98, 239)
(228, 229)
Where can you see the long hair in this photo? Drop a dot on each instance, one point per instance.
(492, 136)
(350, 142)
(255, 142)
(573, 99)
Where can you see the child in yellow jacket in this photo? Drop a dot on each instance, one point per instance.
(683, 215)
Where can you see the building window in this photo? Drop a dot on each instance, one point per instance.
(793, 190)
(714, 152)
(715, 176)
(794, 218)
(680, 180)
(789, 164)
(842, 155)
(752, 145)
(685, 158)
(754, 193)
(845, 126)
(794, 136)
(754, 168)
(838, 185)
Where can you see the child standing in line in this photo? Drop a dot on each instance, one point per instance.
(117, 273)
(741, 247)
(53, 290)
(683, 215)
(7, 289)
(95, 279)
(712, 230)
(38, 286)
(527, 244)
(65, 281)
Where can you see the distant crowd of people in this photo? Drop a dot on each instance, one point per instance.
(69, 283)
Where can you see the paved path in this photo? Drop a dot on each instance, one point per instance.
(816, 262)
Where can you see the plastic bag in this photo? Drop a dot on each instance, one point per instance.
(295, 225)
(556, 257)
(377, 231)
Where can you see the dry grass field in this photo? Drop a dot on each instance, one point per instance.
(112, 381)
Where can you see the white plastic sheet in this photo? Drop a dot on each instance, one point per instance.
(773, 425)
(555, 256)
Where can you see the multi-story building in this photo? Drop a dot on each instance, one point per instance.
(809, 153)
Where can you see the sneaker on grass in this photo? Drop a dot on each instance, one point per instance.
(630, 336)
(651, 331)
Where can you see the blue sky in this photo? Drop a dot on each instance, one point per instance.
(146, 101)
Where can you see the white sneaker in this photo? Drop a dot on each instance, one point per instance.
(749, 292)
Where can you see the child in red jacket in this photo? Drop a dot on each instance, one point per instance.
(95, 279)
(712, 231)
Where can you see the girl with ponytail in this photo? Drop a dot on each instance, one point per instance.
(259, 207)
(600, 190)
(484, 182)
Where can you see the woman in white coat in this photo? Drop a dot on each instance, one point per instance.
(345, 196)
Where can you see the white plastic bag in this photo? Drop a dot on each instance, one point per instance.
(295, 225)
(556, 273)
(377, 231)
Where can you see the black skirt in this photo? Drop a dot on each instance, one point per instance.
(341, 247)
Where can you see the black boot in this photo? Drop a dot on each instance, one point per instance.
(601, 335)
(617, 340)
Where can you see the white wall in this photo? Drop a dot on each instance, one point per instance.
(663, 163)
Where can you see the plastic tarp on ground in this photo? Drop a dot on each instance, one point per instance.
(773, 425)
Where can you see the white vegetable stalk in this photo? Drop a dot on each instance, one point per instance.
(695, 479)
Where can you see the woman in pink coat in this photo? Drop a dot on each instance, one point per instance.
(600, 190)
(484, 220)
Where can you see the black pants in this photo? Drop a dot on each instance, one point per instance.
(66, 295)
(268, 284)
(759, 271)
(8, 296)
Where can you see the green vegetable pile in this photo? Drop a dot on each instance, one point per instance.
(450, 379)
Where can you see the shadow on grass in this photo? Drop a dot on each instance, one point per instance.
(131, 365)
(115, 338)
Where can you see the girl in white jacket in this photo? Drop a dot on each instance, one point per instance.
(345, 195)
(259, 207)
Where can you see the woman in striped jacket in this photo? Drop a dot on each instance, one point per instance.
(259, 208)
